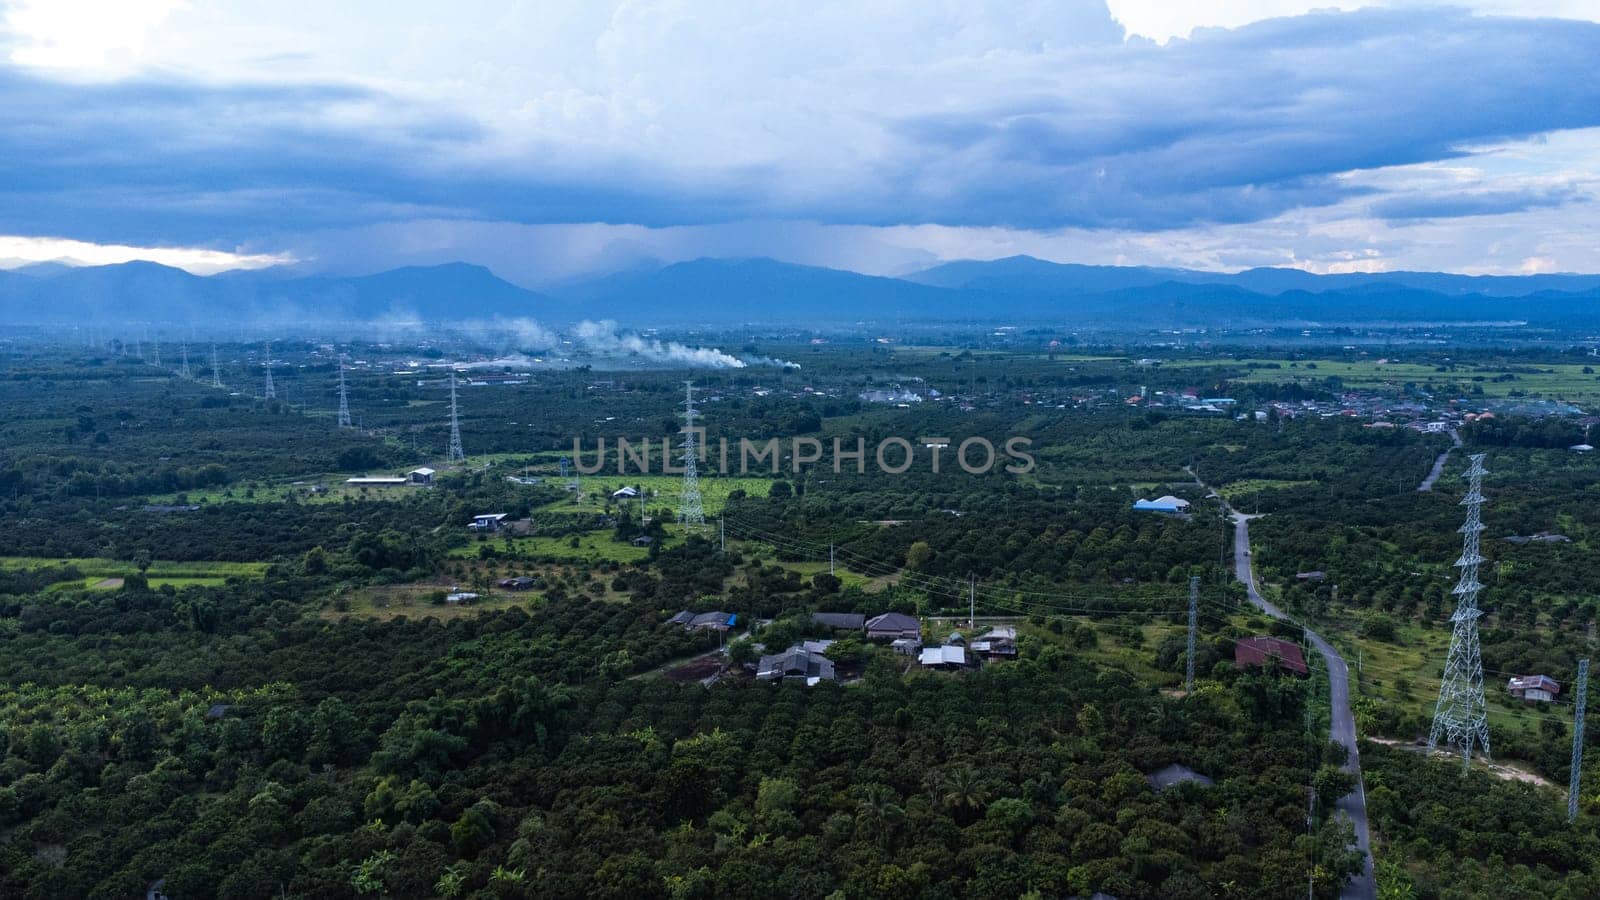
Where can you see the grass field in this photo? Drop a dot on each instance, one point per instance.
(1547, 381)
(596, 546)
(261, 492)
(660, 490)
(107, 574)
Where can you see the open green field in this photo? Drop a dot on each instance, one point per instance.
(300, 489)
(107, 574)
(660, 490)
(1549, 381)
(596, 546)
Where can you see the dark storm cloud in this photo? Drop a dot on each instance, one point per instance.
(1231, 126)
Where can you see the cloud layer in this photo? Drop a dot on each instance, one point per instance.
(687, 122)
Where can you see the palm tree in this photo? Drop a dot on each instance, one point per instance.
(879, 810)
(965, 792)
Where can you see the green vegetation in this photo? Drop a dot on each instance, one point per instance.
(272, 696)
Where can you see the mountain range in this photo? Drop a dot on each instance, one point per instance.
(741, 291)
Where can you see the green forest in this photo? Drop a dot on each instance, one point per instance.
(227, 672)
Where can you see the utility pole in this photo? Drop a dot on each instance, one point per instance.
(1577, 741)
(972, 602)
(1461, 716)
(1194, 621)
(830, 559)
(722, 534)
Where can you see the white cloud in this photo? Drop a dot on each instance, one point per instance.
(16, 250)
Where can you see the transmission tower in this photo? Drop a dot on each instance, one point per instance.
(156, 350)
(1577, 741)
(344, 398)
(272, 392)
(216, 373)
(455, 453)
(1194, 621)
(690, 510)
(1461, 717)
(183, 370)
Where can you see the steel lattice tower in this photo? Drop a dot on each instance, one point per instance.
(691, 511)
(272, 392)
(216, 373)
(183, 370)
(455, 453)
(344, 398)
(1582, 699)
(1461, 717)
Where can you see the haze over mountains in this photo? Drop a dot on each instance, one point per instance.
(738, 291)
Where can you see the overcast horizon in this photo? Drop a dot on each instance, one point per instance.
(571, 139)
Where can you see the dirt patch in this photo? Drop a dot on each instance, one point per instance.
(695, 670)
(1507, 771)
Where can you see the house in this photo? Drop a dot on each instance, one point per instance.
(955, 639)
(1581, 448)
(999, 643)
(489, 522)
(839, 621)
(815, 646)
(422, 477)
(519, 583)
(1534, 688)
(708, 621)
(643, 540)
(1310, 576)
(946, 657)
(796, 664)
(1256, 651)
(890, 626)
(1167, 504)
(460, 597)
(907, 646)
(625, 493)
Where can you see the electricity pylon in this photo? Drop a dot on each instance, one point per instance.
(216, 373)
(344, 398)
(691, 511)
(455, 453)
(1577, 741)
(1461, 716)
(183, 370)
(271, 392)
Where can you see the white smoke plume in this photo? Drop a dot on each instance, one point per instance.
(603, 338)
(519, 333)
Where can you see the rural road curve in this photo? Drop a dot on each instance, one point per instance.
(1343, 727)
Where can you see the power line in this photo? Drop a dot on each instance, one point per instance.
(1577, 742)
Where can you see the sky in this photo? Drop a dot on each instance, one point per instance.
(557, 140)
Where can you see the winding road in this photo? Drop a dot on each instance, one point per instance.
(1343, 725)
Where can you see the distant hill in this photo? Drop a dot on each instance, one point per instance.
(744, 291)
(148, 292)
(1025, 274)
(757, 290)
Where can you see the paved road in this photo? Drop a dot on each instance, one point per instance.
(1438, 464)
(1343, 727)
